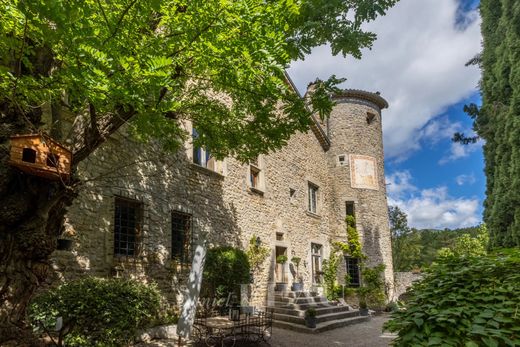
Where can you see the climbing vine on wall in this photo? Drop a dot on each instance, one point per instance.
(256, 254)
(353, 245)
(330, 270)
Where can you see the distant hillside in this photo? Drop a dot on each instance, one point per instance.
(417, 248)
(431, 240)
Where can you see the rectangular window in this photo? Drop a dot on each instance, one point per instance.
(255, 174)
(352, 265)
(254, 177)
(202, 156)
(181, 236)
(313, 198)
(127, 226)
(342, 160)
(349, 208)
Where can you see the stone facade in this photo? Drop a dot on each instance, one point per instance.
(225, 209)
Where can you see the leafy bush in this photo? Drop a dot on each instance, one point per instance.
(463, 301)
(95, 311)
(372, 290)
(225, 269)
(281, 259)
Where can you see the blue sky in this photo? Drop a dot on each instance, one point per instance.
(417, 64)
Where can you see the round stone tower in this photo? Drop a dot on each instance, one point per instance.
(356, 163)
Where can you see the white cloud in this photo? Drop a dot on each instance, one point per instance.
(398, 183)
(440, 128)
(458, 151)
(465, 179)
(431, 208)
(417, 63)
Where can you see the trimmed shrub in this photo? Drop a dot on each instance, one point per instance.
(463, 301)
(225, 269)
(95, 311)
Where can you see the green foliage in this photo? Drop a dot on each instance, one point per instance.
(225, 269)
(166, 60)
(281, 259)
(464, 301)
(96, 312)
(467, 246)
(353, 245)
(497, 120)
(372, 290)
(296, 261)
(256, 254)
(406, 245)
(412, 248)
(310, 312)
(330, 273)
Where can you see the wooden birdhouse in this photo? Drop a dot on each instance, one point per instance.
(40, 155)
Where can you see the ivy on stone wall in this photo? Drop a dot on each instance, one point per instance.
(256, 253)
(353, 245)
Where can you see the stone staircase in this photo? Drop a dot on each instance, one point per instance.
(289, 312)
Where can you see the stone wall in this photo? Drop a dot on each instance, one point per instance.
(403, 281)
(225, 209)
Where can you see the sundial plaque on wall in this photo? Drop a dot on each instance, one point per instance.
(363, 172)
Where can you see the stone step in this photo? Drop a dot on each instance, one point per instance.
(300, 306)
(319, 310)
(321, 327)
(291, 294)
(281, 303)
(319, 318)
(301, 300)
(298, 298)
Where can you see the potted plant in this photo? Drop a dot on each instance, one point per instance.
(362, 296)
(282, 259)
(298, 281)
(310, 317)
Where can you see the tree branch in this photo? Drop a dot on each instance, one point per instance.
(94, 139)
(199, 33)
(103, 13)
(121, 17)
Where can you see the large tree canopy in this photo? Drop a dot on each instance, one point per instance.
(150, 64)
(159, 60)
(498, 120)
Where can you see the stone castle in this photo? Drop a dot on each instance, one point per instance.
(141, 211)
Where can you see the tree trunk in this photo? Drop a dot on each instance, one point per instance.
(31, 215)
(30, 220)
(32, 210)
